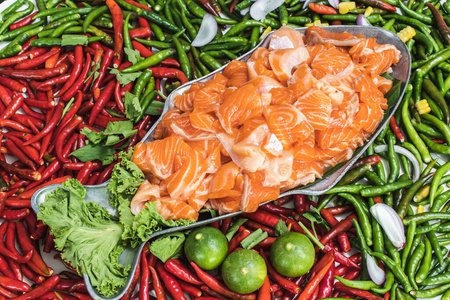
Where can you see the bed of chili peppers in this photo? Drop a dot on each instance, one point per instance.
(35, 72)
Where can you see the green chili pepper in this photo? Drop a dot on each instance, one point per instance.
(94, 15)
(12, 8)
(435, 245)
(81, 11)
(426, 228)
(126, 34)
(426, 262)
(413, 263)
(238, 28)
(210, 61)
(150, 61)
(62, 29)
(198, 62)
(362, 285)
(146, 103)
(52, 3)
(410, 235)
(388, 283)
(183, 59)
(430, 293)
(396, 270)
(406, 199)
(10, 51)
(362, 216)
(199, 12)
(141, 82)
(16, 32)
(426, 216)
(384, 189)
(58, 23)
(229, 54)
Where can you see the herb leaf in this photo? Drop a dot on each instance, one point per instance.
(281, 228)
(125, 79)
(92, 152)
(168, 246)
(133, 55)
(132, 106)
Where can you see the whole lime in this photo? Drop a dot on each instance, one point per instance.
(292, 254)
(207, 247)
(244, 271)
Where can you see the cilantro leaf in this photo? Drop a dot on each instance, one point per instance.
(133, 55)
(112, 133)
(132, 106)
(92, 152)
(281, 228)
(168, 246)
(93, 71)
(125, 79)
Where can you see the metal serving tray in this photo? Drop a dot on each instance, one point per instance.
(99, 193)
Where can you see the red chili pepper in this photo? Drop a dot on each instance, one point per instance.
(263, 217)
(76, 71)
(5, 269)
(275, 209)
(267, 242)
(22, 173)
(11, 61)
(28, 273)
(6, 293)
(300, 203)
(209, 7)
(38, 234)
(41, 74)
(23, 119)
(144, 284)
(15, 268)
(322, 9)
(157, 286)
(85, 172)
(352, 274)
(340, 227)
(137, 4)
(440, 23)
(117, 17)
(12, 84)
(219, 287)
(30, 151)
(316, 278)
(43, 288)
(106, 173)
(59, 143)
(25, 21)
(396, 129)
(12, 108)
(36, 263)
(340, 258)
(285, 283)
(163, 72)
(14, 284)
(106, 61)
(32, 113)
(370, 159)
(13, 148)
(326, 285)
(177, 268)
(79, 82)
(78, 286)
(170, 282)
(355, 292)
(97, 57)
(264, 291)
(118, 98)
(101, 101)
(4, 95)
(342, 237)
(140, 33)
(51, 169)
(379, 4)
(51, 62)
(37, 61)
(190, 289)
(338, 210)
(15, 214)
(82, 296)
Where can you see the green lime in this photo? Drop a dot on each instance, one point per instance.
(207, 247)
(292, 254)
(244, 271)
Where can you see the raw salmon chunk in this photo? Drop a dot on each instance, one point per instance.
(316, 106)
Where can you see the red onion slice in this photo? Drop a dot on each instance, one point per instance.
(376, 274)
(261, 8)
(334, 3)
(388, 218)
(361, 20)
(207, 31)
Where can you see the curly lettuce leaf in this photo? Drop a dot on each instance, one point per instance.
(168, 246)
(90, 238)
(125, 181)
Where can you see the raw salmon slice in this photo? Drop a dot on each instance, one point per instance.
(264, 84)
(260, 67)
(242, 104)
(368, 91)
(147, 192)
(185, 102)
(316, 106)
(301, 81)
(206, 147)
(339, 130)
(237, 73)
(259, 53)
(160, 155)
(368, 116)
(305, 150)
(331, 61)
(284, 61)
(199, 198)
(281, 95)
(255, 192)
(278, 169)
(182, 127)
(383, 84)
(203, 121)
(287, 123)
(208, 97)
(375, 59)
(229, 204)
(284, 38)
(174, 209)
(303, 174)
(318, 35)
